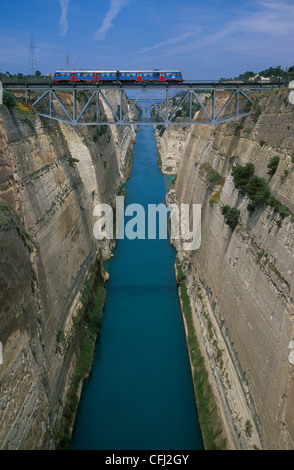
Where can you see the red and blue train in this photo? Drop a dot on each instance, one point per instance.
(118, 76)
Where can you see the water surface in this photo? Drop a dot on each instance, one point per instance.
(140, 395)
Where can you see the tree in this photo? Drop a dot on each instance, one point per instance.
(38, 73)
(8, 99)
(242, 175)
(273, 165)
(231, 216)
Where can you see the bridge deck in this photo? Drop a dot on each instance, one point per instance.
(189, 93)
(195, 84)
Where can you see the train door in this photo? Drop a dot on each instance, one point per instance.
(162, 77)
(139, 77)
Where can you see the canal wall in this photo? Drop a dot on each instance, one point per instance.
(52, 175)
(240, 280)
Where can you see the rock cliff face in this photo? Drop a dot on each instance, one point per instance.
(51, 177)
(241, 281)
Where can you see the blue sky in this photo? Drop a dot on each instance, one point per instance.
(207, 40)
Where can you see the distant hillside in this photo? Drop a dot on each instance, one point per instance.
(272, 74)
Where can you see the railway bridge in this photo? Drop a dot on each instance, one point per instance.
(186, 103)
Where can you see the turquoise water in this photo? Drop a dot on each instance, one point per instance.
(140, 394)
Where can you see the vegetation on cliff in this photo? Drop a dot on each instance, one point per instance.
(88, 319)
(231, 215)
(257, 188)
(211, 428)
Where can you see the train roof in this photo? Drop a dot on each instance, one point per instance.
(151, 70)
(85, 70)
(114, 71)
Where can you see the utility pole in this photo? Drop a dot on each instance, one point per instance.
(32, 56)
(67, 61)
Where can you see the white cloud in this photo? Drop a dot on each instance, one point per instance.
(115, 7)
(270, 23)
(168, 42)
(63, 23)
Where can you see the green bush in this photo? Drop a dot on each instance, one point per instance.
(9, 99)
(278, 207)
(242, 175)
(273, 165)
(258, 190)
(213, 177)
(231, 216)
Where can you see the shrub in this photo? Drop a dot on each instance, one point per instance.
(231, 216)
(262, 142)
(8, 99)
(278, 207)
(258, 190)
(242, 175)
(273, 165)
(215, 197)
(213, 177)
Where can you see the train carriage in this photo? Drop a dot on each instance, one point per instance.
(116, 75)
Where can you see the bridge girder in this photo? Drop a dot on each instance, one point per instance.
(167, 106)
(165, 113)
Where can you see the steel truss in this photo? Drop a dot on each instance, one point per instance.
(162, 106)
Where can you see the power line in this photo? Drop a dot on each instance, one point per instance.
(32, 56)
(67, 61)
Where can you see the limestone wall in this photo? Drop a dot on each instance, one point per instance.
(51, 177)
(241, 282)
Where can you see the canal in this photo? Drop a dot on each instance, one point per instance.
(140, 393)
